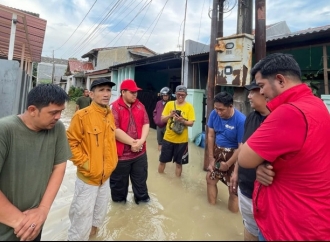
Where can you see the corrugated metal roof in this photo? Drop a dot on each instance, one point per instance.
(30, 31)
(140, 53)
(151, 59)
(91, 52)
(56, 60)
(299, 33)
(197, 54)
(78, 66)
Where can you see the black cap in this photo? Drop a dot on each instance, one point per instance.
(253, 85)
(101, 81)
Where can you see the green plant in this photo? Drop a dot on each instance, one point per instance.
(313, 84)
(75, 93)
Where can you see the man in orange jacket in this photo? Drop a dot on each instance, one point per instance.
(91, 136)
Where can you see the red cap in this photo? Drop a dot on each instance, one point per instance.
(129, 85)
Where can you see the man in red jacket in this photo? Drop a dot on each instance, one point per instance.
(165, 93)
(132, 128)
(295, 140)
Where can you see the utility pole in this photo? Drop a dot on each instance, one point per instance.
(216, 29)
(244, 26)
(220, 21)
(260, 31)
(182, 51)
(53, 71)
(244, 17)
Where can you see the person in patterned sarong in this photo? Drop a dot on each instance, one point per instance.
(225, 134)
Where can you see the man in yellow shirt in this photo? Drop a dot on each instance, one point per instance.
(175, 145)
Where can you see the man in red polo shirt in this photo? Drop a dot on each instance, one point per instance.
(294, 139)
(132, 128)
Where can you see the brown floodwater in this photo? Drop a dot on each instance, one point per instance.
(178, 209)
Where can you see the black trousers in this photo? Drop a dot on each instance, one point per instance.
(137, 170)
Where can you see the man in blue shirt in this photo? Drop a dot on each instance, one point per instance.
(225, 134)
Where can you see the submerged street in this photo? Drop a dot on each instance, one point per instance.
(178, 209)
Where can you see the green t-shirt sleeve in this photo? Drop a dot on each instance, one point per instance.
(63, 151)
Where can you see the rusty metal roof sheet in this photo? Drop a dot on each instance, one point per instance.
(78, 66)
(30, 31)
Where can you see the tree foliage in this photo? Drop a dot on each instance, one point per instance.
(75, 92)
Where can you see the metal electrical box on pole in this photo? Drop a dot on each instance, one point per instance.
(234, 57)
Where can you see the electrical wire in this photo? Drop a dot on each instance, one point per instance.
(227, 11)
(128, 24)
(125, 18)
(148, 28)
(200, 22)
(89, 37)
(80, 41)
(139, 25)
(96, 30)
(77, 26)
(179, 35)
(156, 22)
(120, 13)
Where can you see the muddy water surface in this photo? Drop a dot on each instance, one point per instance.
(178, 209)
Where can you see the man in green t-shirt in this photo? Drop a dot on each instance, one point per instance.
(33, 154)
(83, 101)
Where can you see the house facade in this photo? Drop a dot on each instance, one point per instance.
(76, 74)
(104, 58)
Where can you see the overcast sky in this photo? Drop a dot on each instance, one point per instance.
(156, 24)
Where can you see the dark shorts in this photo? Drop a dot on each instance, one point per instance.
(176, 152)
(160, 134)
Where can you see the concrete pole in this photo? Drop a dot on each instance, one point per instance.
(183, 56)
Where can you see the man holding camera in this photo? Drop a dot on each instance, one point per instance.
(178, 114)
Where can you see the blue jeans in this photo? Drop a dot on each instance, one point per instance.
(261, 237)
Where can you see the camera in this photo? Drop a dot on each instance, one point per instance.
(178, 112)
